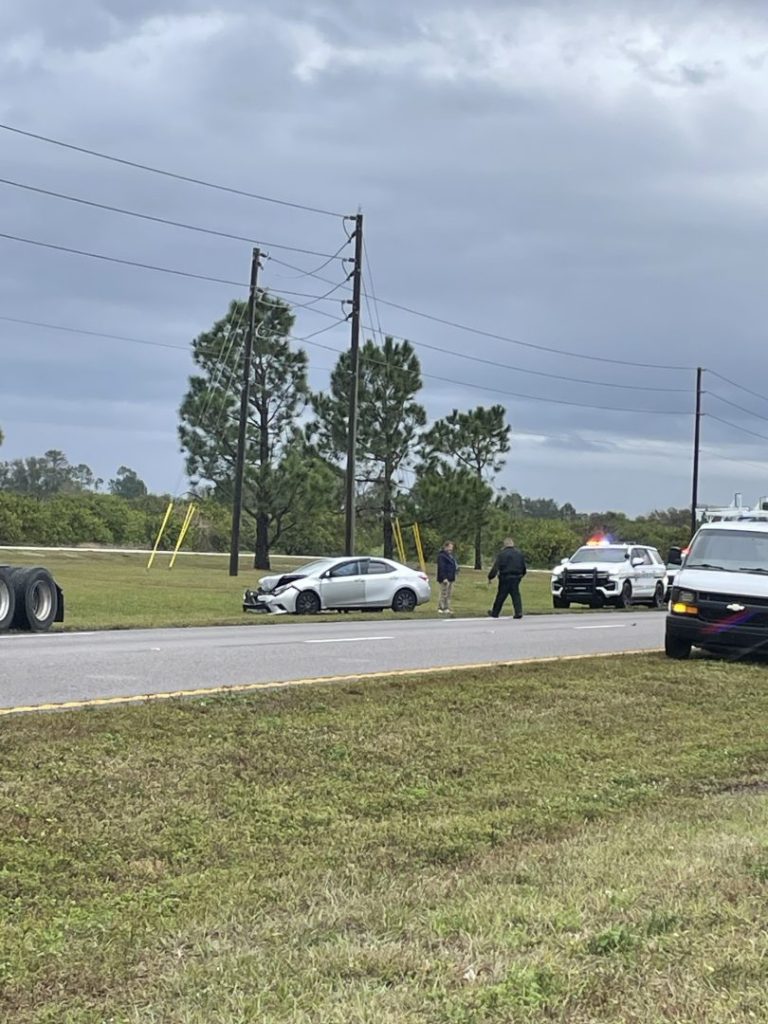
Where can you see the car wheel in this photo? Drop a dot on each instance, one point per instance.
(624, 599)
(561, 602)
(307, 603)
(676, 648)
(404, 601)
(659, 597)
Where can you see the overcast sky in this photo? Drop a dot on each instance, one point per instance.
(586, 177)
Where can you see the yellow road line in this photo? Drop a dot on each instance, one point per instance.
(138, 698)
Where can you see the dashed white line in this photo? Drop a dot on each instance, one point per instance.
(611, 625)
(349, 640)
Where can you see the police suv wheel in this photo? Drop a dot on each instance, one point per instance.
(625, 597)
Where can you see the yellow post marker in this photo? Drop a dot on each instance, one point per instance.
(399, 539)
(183, 531)
(419, 547)
(160, 535)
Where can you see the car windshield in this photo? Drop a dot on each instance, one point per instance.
(600, 554)
(730, 550)
(312, 568)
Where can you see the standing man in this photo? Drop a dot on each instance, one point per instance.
(510, 568)
(447, 568)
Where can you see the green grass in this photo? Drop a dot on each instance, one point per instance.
(107, 590)
(534, 844)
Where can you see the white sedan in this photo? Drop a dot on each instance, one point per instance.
(348, 584)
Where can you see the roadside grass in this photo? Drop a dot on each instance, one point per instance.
(115, 591)
(579, 842)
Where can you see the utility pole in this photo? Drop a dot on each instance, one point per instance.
(354, 372)
(245, 394)
(696, 447)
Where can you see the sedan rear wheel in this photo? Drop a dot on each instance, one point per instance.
(404, 601)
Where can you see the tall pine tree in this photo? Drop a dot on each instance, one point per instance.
(388, 426)
(278, 395)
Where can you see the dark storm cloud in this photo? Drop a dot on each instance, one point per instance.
(586, 180)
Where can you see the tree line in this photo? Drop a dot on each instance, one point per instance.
(441, 474)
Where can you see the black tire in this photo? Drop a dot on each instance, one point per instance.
(307, 603)
(676, 648)
(404, 601)
(561, 602)
(37, 600)
(624, 600)
(659, 598)
(7, 599)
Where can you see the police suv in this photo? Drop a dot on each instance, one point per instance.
(603, 573)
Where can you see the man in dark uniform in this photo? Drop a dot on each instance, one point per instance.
(510, 568)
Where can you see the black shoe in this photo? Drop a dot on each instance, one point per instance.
(518, 616)
(492, 615)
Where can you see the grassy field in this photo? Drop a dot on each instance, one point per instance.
(585, 842)
(106, 590)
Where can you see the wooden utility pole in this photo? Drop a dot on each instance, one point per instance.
(245, 395)
(354, 373)
(696, 447)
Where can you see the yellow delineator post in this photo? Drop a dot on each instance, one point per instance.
(398, 539)
(160, 534)
(183, 531)
(419, 547)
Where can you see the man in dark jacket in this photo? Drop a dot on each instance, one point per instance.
(447, 568)
(510, 568)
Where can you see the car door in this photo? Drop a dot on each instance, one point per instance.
(380, 584)
(344, 585)
(643, 582)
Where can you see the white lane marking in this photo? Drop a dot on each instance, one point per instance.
(611, 625)
(349, 640)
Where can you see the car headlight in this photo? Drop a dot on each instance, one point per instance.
(282, 590)
(684, 602)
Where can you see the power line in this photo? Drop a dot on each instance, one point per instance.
(735, 426)
(143, 341)
(122, 262)
(529, 344)
(169, 174)
(510, 341)
(735, 405)
(329, 257)
(517, 395)
(735, 384)
(535, 373)
(163, 270)
(311, 273)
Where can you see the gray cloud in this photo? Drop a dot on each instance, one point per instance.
(584, 182)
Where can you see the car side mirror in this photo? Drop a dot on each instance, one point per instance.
(637, 562)
(563, 561)
(674, 556)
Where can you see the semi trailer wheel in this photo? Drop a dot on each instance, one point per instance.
(7, 599)
(37, 599)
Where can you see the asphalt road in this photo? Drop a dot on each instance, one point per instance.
(60, 667)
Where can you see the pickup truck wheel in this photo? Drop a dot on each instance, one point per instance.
(7, 600)
(624, 599)
(561, 602)
(37, 601)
